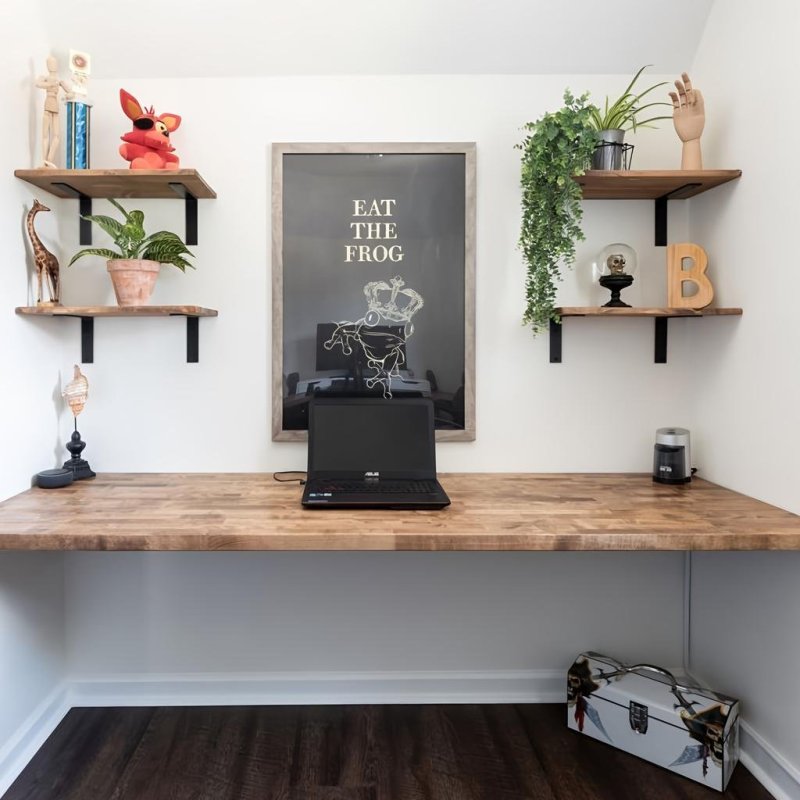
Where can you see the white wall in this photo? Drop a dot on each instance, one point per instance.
(152, 411)
(31, 638)
(361, 37)
(32, 358)
(171, 613)
(31, 585)
(747, 379)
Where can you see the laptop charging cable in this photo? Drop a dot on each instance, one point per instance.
(296, 472)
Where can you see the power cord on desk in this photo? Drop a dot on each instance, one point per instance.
(301, 481)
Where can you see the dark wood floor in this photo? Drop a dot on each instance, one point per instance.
(463, 752)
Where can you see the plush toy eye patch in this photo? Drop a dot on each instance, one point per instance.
(147, 145)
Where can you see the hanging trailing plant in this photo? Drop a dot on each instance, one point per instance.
(557, 147)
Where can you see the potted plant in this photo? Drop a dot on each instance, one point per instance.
(613, 121)
(557, 147)
(135, 266)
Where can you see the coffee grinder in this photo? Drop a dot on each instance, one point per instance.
(672, 457)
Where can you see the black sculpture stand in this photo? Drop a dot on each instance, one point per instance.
(79, 466)
(615, 284)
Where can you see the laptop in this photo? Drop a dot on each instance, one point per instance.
(368, 452)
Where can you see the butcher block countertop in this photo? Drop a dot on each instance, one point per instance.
(496, 511)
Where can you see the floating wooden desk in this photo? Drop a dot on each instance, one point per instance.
(489, 512)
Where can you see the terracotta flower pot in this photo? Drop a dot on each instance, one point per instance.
(133, 279)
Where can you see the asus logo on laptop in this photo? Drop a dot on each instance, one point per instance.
(368, 475)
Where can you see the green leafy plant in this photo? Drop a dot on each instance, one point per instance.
(623, 114)
(132, 242)
(557, 147)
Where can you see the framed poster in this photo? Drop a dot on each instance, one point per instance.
(373, 278)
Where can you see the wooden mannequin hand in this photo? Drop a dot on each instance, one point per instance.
(689, 118)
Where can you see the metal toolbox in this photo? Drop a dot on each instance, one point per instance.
(645, 711)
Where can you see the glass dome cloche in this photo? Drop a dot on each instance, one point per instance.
(614, 268)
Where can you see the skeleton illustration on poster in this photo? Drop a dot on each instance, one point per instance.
(372, 271)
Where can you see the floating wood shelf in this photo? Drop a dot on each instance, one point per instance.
(632, 184)
(85, 184)
(602, 311)
(87, 316)
(117, 182)
(658, 185)
(661, 316)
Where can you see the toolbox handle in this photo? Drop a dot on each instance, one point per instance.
(661, 671)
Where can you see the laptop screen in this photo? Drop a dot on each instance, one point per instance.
(360, 435)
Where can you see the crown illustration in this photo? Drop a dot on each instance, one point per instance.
(382, 298)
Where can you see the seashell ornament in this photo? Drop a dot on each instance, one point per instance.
(76, 392)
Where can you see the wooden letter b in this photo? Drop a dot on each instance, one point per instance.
(677, 276)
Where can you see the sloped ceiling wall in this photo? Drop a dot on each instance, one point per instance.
(204, 38)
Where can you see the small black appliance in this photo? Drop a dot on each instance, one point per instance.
(672, 457)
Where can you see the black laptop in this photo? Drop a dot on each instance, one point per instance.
(368, 452)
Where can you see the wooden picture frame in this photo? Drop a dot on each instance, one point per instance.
(363, 232)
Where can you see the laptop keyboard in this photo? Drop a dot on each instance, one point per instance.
(375, 487)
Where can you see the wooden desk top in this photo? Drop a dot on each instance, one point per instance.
(489, 512)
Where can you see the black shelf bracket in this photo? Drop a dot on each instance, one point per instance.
(84, 208)
(661, 340)
(661, 221)
(192, 339)
(84, 225)
(191, 211)
(87, 340)
(660, 348)
(555, 341)
(687, 190)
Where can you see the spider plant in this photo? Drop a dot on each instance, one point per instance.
(132, 242)
(624, 113)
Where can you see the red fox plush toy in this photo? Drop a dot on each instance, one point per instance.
(147, 146)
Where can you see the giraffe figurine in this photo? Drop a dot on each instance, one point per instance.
(46, 263)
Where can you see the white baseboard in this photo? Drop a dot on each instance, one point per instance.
(779, 777)
(763, 761)
(31, 735)
(320, 688)
(768, 766)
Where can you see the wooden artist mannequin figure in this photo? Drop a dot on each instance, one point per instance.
(51, 83)
(689, 118)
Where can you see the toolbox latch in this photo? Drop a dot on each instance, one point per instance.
(637, 713)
